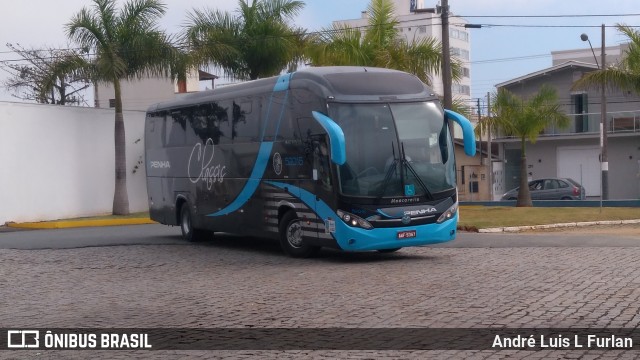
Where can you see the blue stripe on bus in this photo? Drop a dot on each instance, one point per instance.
(250, 187)
(252, 183)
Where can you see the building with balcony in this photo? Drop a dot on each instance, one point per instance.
(416, 23)
(574, 152)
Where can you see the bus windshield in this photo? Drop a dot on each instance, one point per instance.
(393, 150)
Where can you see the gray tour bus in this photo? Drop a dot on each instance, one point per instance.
(352, 158)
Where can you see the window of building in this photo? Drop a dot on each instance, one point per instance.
(422, 29)
(112, 103)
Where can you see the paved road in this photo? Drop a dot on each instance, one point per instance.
(85, 278)
(166, 235)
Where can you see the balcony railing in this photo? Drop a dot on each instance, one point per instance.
(589, 123)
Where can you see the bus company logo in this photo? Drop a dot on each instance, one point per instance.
(23, 339)
(405, 200)
(201, 166)
(277, 163)
(420, 212)
(160, 164)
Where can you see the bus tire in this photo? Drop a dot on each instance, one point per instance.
(186, 225)
(291, 237)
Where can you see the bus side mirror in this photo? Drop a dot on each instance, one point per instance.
(467, 131)
(336, 137)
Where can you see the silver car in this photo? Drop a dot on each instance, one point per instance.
(551, 189)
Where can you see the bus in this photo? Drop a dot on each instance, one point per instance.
(351, 158)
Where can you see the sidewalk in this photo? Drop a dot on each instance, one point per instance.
(64, 224)
(557, 226)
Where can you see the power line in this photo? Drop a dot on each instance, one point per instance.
(546, 16)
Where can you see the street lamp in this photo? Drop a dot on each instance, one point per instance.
(604, 163)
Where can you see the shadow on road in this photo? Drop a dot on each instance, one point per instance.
(272, 247)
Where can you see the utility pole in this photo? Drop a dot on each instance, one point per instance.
(603, 131)
(446, 56)
(480, 127)
(488, 120)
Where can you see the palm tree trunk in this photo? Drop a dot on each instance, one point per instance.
(524, 196)
(120, 195)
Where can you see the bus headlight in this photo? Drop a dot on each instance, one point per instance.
(353, 220)
(450, 213)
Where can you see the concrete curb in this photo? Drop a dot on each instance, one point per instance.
(63, 224)
(511, 229)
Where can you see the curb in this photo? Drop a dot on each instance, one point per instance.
(80, 223)
(511, 229)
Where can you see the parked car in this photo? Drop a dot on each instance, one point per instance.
(551, 189)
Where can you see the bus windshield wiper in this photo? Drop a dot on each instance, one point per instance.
(391, 170)
(408, 165)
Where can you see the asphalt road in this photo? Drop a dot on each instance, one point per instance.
(167, 235)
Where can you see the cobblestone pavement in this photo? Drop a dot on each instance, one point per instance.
(245, 283)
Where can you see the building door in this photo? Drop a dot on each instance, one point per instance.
(512, 158)
(582, 164)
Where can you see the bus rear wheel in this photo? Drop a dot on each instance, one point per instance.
(291, 239)
(186, 225)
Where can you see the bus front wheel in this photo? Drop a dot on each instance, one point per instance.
(291, 239)
(186, 225)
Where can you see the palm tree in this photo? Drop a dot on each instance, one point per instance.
(526, 119)
(625, 75)
(127, 44)
(379, 44)
(257, 42)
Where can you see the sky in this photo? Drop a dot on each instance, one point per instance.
(508, 49)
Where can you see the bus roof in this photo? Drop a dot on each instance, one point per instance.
(339, 83)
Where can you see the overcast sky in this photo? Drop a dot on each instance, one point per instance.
(498, 53)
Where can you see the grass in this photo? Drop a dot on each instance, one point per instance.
(479, 217)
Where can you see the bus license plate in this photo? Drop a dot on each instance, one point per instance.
(406, 234)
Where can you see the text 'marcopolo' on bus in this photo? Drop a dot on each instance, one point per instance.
(351, 158)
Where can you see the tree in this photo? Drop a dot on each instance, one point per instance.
(127, 44)
(525, 119)
(257, 42)
(47, 76)
(625, 75)
(380, 44)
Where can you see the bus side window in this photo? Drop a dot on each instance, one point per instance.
(245, 125)
(156, 127)
(198, 129)
(175, 131)
(321, 161)
(218, 127)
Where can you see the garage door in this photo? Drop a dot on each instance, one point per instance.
(582, 164)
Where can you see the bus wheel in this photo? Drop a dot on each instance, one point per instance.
(291, 237)
(186, 225)
(386, 251)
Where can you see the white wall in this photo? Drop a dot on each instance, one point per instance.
(58, 162)
(137, 94)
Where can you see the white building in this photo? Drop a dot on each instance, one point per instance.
(140, 94)
(414, 22)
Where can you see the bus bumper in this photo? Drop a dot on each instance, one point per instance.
(358, 239)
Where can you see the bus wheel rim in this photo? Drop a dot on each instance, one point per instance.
(294, 234)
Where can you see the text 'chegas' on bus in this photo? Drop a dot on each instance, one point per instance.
(344, 157)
